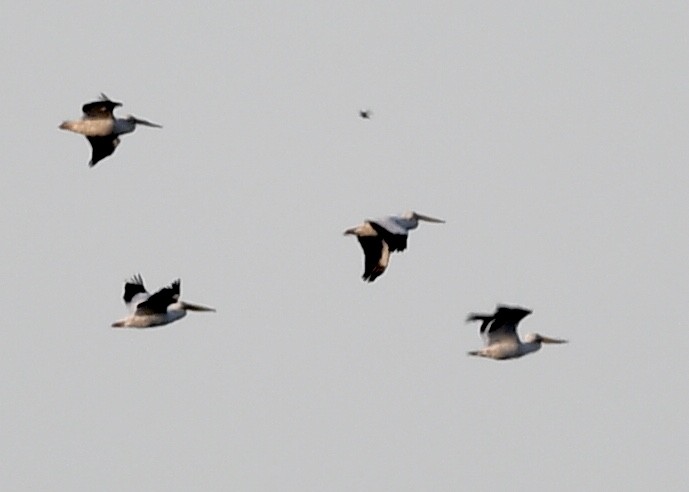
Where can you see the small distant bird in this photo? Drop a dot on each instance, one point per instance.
(500, 332)
(365, 114)
(101, 128)
(380, 237)
(151, 310)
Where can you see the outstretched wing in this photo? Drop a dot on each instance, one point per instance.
(102, 108)
(376, 256)
(102, 147)
(498, 327)
(396, 241)
(158, 302)
(134, 292)
(501, 330)
(485, 320)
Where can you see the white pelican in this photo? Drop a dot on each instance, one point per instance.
(500, 332)
(380, 237)
(150, 310)
(101, 128)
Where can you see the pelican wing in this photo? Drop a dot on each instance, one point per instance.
(485, 320)
(158, 302)
(376, 256)
(134, 292)
(496, 328)
(397, 241)
(102, 147)
(392, 224)
(102, 108)
(504, 325)
(500, 331)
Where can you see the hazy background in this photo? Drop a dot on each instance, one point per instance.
(552, 137)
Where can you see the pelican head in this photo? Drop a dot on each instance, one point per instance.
(138, 121)
(416, 216)
(536, 338)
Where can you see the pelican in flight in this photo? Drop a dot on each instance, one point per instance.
(500, 332)
(380, 237)
(150, 310)
(101, 128)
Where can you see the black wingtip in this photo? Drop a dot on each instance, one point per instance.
(136, 279)
(478, 317)
(103, 97)
(176, 285)
(133, 286)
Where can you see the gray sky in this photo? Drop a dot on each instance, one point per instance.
(551, 136)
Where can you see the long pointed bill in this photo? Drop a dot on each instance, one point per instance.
(429, 219)
(552, 340)
(196, 307)
(350, 231)
(147, 123)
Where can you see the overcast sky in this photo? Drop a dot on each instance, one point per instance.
(552, 138)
